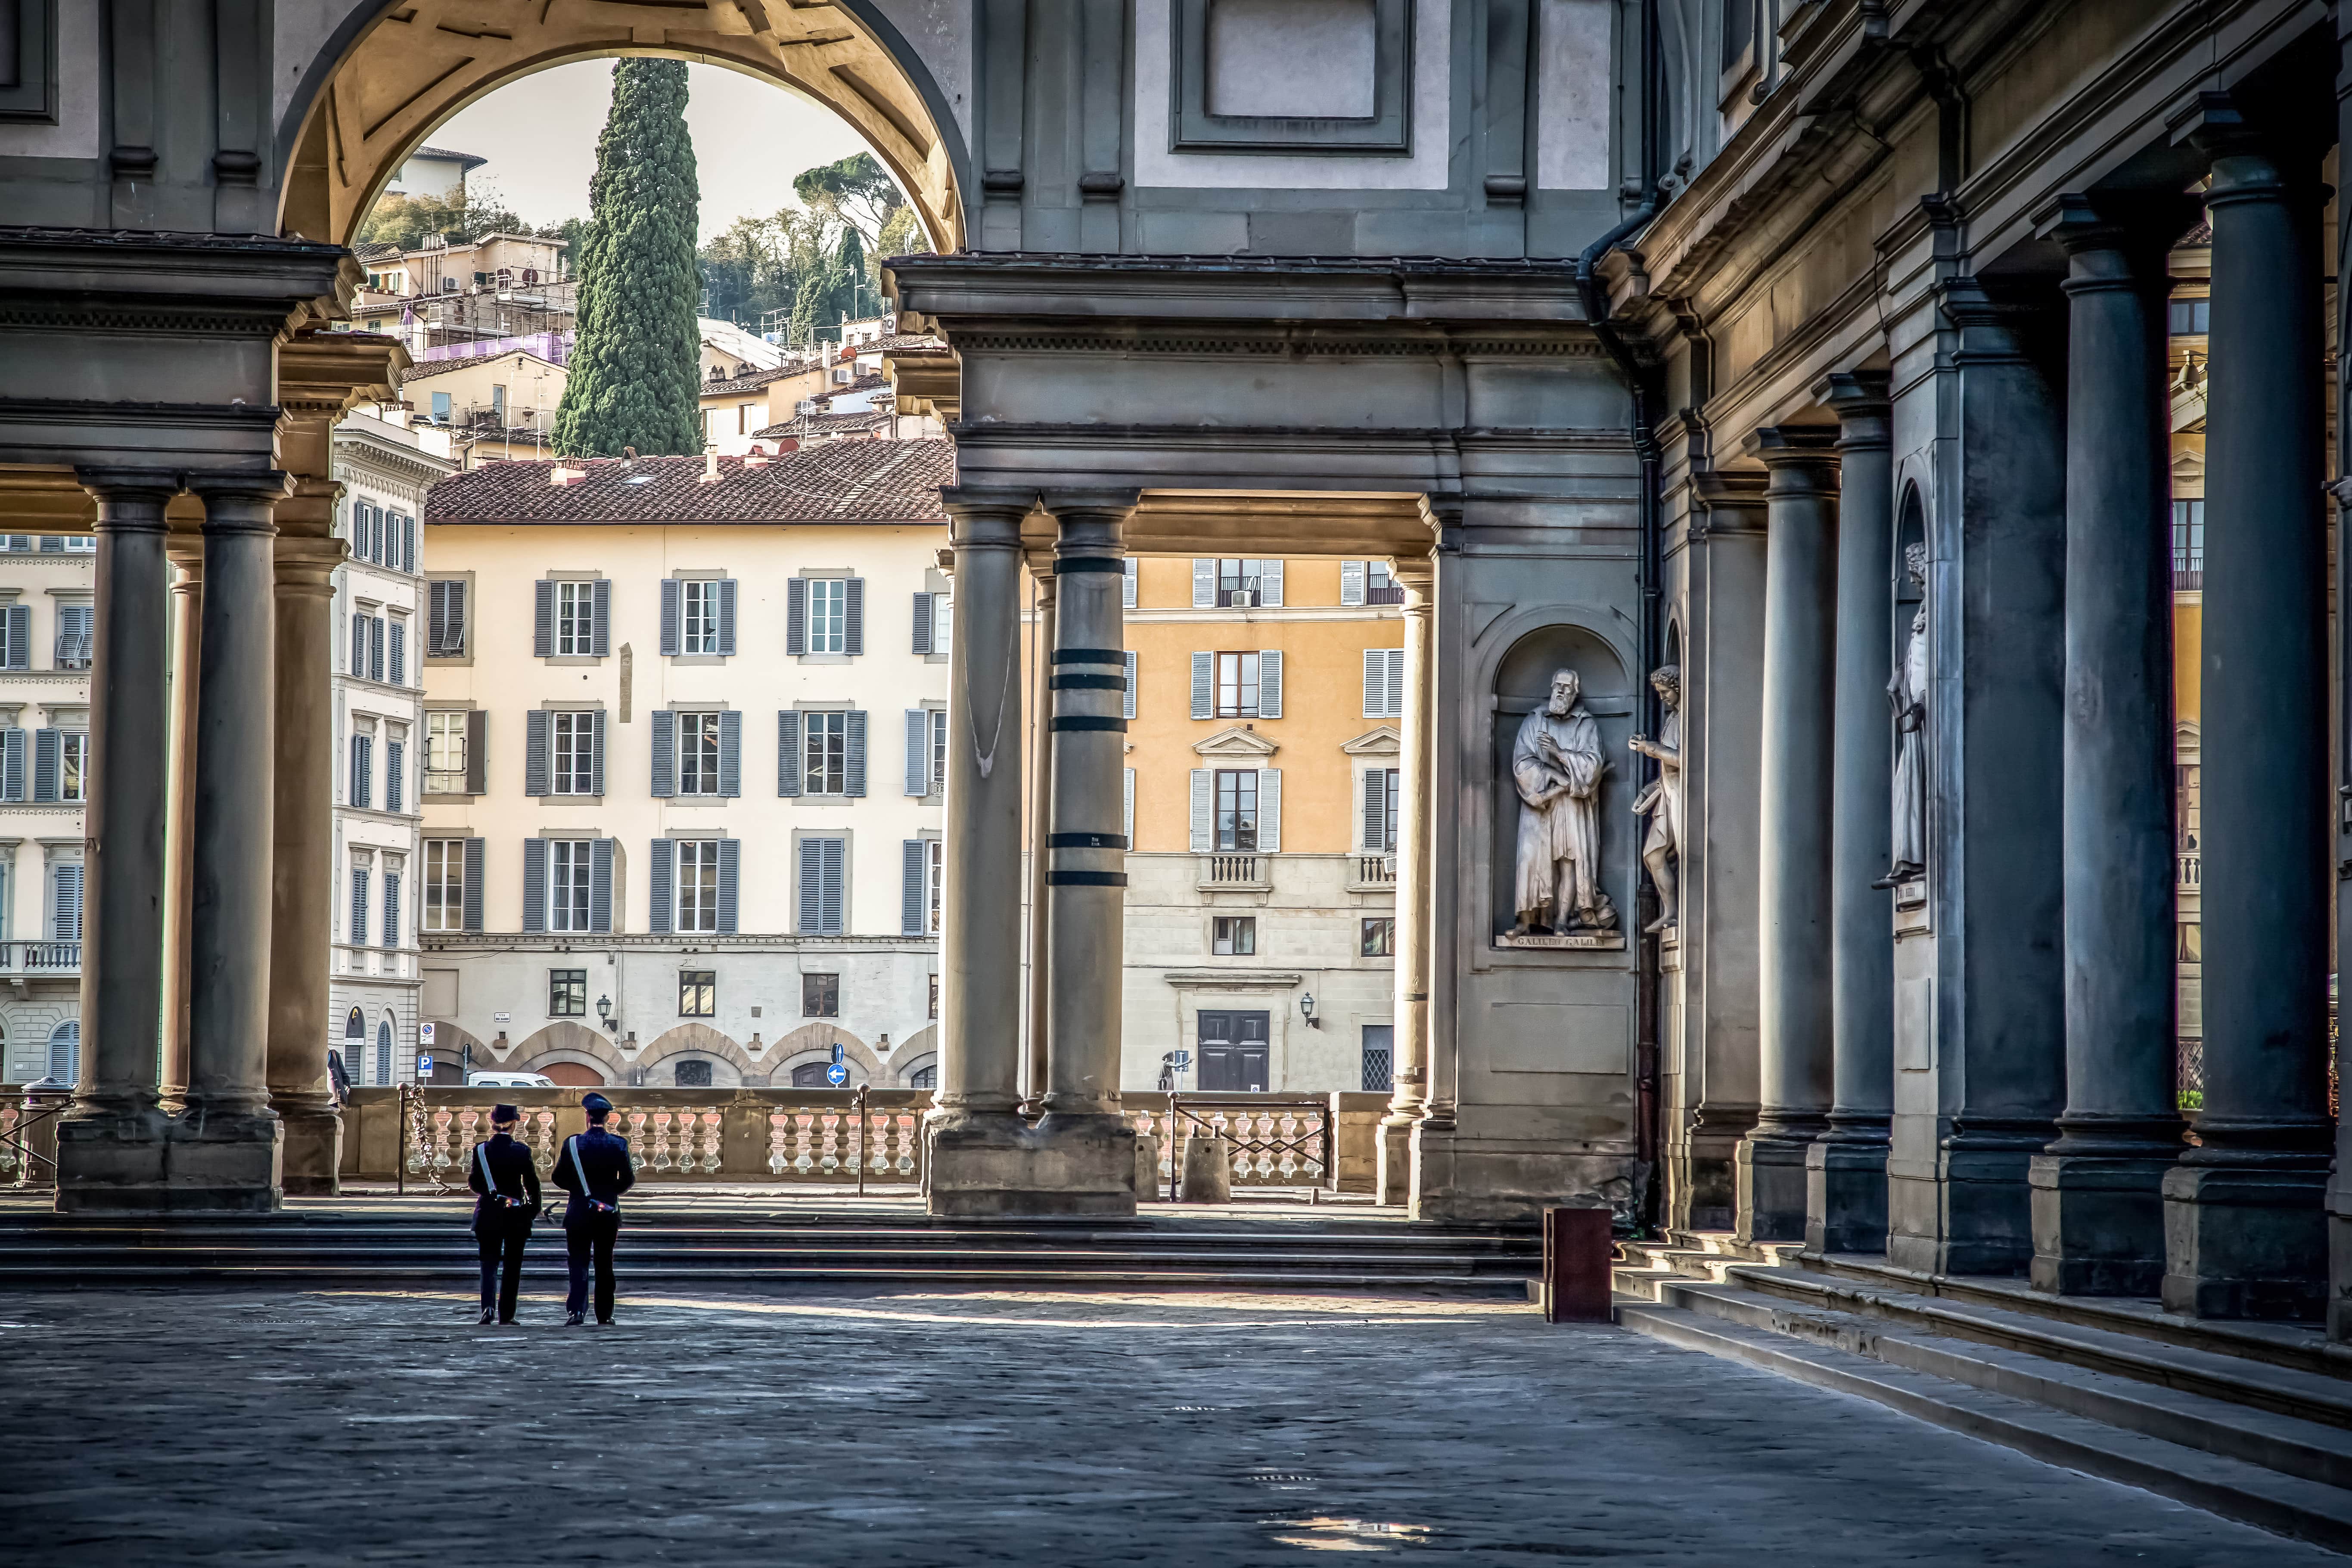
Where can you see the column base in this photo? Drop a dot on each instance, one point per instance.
(2339, 1255)
(1846, 1194)
(993, 1164)
(1393, 1161)
(1462, 1178)
(1975, 1215)
(2098, 1223)
(1703, 1172)
(1769, 1181)
(2246, 1241)
(314, 1151)
(148, 1163)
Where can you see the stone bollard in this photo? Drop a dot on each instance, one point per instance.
(1208, 1170)
(1147, 1167)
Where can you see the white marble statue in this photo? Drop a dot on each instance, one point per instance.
(1662, 799)
(1558, 766)
(1907, 693)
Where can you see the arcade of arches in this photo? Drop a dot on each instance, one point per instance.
(1847, 360)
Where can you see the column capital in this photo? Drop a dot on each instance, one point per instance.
(240, 502)
(306, 565)
(153, 486)
(2222, 127)
(1802, 459)
(1859, 398)
(1112, 503)
(1416, 574)
(986, 515)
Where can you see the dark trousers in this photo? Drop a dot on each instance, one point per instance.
(591, 1235)
(502, 1244)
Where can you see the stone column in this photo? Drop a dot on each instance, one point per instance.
(110, 1149)
(1409, 1058)
(2098, 1207)
(302, 889)
(1845, 1170)
(230, 1142)
(1041, 778)
(1793, 923)
(978, 1160)
(2244, 1228)
(1086, 1145)
(180, 793)
(2339, 1185)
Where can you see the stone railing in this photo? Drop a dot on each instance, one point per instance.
(40, 958)
(1286, 1131)
(730, 1136)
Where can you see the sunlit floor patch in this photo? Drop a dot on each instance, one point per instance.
(1350, 1535)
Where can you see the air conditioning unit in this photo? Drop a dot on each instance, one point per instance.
(1245, 598)
(842, 373)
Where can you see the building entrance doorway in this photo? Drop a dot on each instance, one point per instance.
(1234, 1052)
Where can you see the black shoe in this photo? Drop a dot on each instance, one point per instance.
(507, 1321)
(490, 1315)
(574, 1319)
(604, 1323)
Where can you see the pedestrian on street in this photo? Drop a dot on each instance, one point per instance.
(501, 1172)
(594, 1167)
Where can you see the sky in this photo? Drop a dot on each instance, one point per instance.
(750, 138)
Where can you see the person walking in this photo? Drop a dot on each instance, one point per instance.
(594, 1167)
(507, 1183)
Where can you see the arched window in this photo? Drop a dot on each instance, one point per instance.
(356, 1026)
(809, 1075)
(926, 1077)
(383, 1050)
(65, 1051)
(693, 1075)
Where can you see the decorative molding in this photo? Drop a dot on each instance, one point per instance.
(1236, 742)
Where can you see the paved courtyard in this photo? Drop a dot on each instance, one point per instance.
(900, 1428)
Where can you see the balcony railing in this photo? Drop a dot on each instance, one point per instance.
(1376, 871)
(73, 651)
(2188, 868)
(1229, 868)
(2189, 579)
(27, 958)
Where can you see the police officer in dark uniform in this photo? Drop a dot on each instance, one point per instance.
(594, 1167)
(502, 1173)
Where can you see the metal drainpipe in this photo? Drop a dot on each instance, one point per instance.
(1647, 573)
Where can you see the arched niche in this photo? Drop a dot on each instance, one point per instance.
(397, 69)
(1522, 685)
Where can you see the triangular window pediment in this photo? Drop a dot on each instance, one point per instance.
(1235, 742)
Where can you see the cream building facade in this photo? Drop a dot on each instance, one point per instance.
(682, 757)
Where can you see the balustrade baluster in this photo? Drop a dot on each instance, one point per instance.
(636, 1120)
(805, 1140)
(779, 1132)
(711, 1141)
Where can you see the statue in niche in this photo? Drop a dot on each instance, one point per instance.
(1662, 799)
(1907, 693)
(1558, 766)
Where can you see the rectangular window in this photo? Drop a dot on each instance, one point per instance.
(820, 996)
(395, 767)
(1238, 685)
(573, 743)
(828, 614)
(1384, 683)
(391, 909)
(2189, 318)
(445, 621)
(575, 619)
(935, 998)
(75, 624)
(697, 753)
(939, 752)
(934, 869)
(567, 883)
(698, 618)
(2187, 546)
(698, 994)
(357, 935)
(441, 399)
(942, 622)
(73, 765)
(1379, 938)
(1237, 808)
(567, 992)
(824, 753)
(1380, 811)
(1239, 583)
(697, 884)
(444, 751)
(1233, 936)
(445, 884)
(1381, 587)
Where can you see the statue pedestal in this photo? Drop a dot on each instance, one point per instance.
(1571, 942)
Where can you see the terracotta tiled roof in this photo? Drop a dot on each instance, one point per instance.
(846, 388)
(827, 424)
(904, 343)
(375, 250)
(754, 382)
(839, 482)
(433, 367)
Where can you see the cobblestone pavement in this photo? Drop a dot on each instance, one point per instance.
(900, 1428)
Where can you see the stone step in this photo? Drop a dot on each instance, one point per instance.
(1860, 1358)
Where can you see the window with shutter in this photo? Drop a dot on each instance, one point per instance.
(77, 628)
(537, 727)
(1270, 811)
(853, 632)
(1204, 685)
(359, 647)
(923, 624)
(13, 764)
(375, 648)
(65, 902)
(726, 618)
(358, 934)
(600, 886)
(788, 753)
(17, 647)
(45, 765)
(1127, 583)
(661, 909)
(823, 894)
(1269, 683)
(392, 908)
(474, 884)
(477, 751)
(1269, 581)
(919, 751)
(910, 887)
(596, 773)
(665, 749)
(672, 608)
(1128, 790)
(1352, 582)
(1383, 682)
(542, 619)
(939, 751)
(399, 672)
(396, 756)
(534, 884)
(445, 618)
(854, 782)
(362, 790)
(1205, 584)
(730, 870)
(796, 614)
(1203, 811)
(1378, 815)
(600, 637)
(730, 753)
(1128, 709)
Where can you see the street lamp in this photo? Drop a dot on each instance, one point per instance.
(604, 1011)
(1307, 1009)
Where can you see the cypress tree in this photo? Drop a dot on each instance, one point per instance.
(636, 378)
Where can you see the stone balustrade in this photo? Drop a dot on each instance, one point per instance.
(28, 1136)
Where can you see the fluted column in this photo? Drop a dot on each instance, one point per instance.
(2098, 1206)
(109, 1145)
(232, 1135)
(2245, 1228)
(302, 892)
(1409, 1056)
(1794, 926)
(1040, 783)
(1845, 1170)
(180, 795)
(1089, 1146)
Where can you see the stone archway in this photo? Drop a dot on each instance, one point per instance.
(565, 1040)
(814, 1042)
(694, 1040)
(392, 73)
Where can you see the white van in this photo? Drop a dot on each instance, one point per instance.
(508, 1080)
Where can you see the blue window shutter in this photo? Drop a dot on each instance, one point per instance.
(53, 544)
(473, 884)
(600, 629)
(812, 889)
(362, 772)
(375, 648)
(12, 764)
(400, 653)
(730, 862)
(599, 885)
(395, 759)
(45, 760)
(358, 645)
(542, 619)
(854, 630)
(66, 908)
(534, 884)
(919, 751)
(669, 636)
(731, 752)
(20, 636)
(923, 624)
(534, 752)
(596, 764)
(788, 753)
(392, 908)
(727, 617)
(661, 909)
(856, 752)
(665, 754)
(796, 616)
(910, 887)
(835, 914)
(408, 543)
(357, 934)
